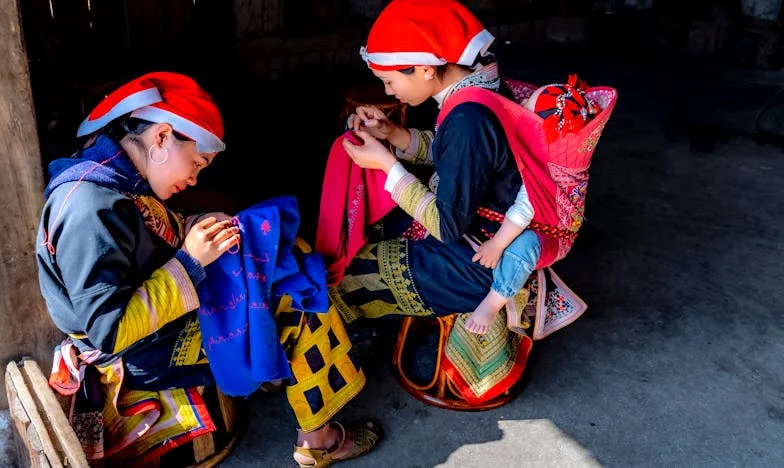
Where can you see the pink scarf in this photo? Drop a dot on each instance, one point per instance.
(352, 199)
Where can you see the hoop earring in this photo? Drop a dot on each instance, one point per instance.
(165, 158)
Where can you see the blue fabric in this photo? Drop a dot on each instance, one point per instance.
(104, 163)
(242, 291)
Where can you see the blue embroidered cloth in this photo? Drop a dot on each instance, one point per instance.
(243, 289)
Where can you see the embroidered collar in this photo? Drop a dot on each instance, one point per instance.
(485, 77)
(104, 163)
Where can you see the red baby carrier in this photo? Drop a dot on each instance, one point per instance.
(555, 172)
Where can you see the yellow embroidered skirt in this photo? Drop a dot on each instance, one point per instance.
(139, 426)
(381, 281)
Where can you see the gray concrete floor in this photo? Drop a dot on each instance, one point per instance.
(678, 360)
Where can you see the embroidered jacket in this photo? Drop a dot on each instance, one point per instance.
(111, 271)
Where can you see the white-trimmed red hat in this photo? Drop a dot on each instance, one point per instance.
(163, 97)
(425, 32)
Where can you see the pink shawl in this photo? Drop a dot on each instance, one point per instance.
(352, 199)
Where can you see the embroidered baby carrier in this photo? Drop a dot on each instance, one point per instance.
(555, 171)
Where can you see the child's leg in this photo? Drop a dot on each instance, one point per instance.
(516, 264)
(509, 277)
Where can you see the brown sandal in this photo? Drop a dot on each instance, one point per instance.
(364, 436)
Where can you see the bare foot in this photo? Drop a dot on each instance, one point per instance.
(483, 316)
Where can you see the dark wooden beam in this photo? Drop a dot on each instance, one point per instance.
(26, 327)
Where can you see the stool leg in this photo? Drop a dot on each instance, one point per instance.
(445, 324)
(397, 358)
(227, 410)
(441, 389)
(203, 447)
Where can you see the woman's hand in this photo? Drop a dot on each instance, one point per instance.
(370, 119)
(190, 221)
(371, 154)
(373, 121)
(209, 239)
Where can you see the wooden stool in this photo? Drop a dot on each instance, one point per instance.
(208, 450)
(45, 436)
(439, 391)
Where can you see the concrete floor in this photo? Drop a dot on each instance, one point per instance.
(678, 360)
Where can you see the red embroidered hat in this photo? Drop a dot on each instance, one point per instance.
(425, 32)
(565, 108)
(163, 97)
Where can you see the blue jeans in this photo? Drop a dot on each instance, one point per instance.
(516, 264)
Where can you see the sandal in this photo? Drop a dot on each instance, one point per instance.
(364, 436)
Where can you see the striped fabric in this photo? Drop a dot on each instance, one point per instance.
(166, 296)
(141, 425)
(416, 199)
(419, 151)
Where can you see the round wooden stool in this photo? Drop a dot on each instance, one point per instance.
(439, 391)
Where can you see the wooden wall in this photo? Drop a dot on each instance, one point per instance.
(26, 327)
(79, 50)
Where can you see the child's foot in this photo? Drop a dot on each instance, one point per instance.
(483, 316)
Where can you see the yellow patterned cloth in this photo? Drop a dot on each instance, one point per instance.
(385, 287)
(166, 296)
(325, 373)
(139, 426)
(135, 427)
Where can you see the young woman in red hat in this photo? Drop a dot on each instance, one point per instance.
(119, 273)
(423, 49)
(480, 153)
(420, 50)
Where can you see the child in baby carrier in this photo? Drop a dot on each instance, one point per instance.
(514, 250)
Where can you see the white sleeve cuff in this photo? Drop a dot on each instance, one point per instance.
(522, 212)
(394, 175)
(520, 221)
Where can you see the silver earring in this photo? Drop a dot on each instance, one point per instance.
(428, 76)
(155, 161)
